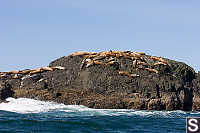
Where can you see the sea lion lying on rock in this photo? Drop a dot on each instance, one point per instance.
(16, 74)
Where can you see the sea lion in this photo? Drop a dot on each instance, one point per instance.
(135, 55)
(127, 56)
(99, 57)
(111, 53)
(118, 55)
(15, 76)
(40, 80)
(2, 74)
(122, 73)
(27, 71)
(104, 53)
(35, 71)
(89, 56)
(134, 58)
(79, 53)
(89, 62)
(152, 70)
(160, 59)
(111, 63)
(13, 72)
(98, 62)
(116, 52)
(140, 53)
(92, 53)
(142, 63)
(58, 68)
(155, 58)
(135, 75)
(160, 63)
(123, 54)
(111, 59)
(46, 69)
(134, 63)
(140, 67)
(147, 60)
(24, 77)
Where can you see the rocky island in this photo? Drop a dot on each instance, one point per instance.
(108, 80)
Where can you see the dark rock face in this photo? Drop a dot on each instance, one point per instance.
(5, 91)
(101, 86)
(196, 93)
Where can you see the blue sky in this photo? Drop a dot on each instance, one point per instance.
(35, 32)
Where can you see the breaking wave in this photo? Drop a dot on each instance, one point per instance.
(25, 106)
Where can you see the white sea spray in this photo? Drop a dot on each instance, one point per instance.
(26, 105)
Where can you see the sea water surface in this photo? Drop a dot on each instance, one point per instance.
(33, 116)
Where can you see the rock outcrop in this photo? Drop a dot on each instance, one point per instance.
(196, 92)
(112, 79)
(5, 91)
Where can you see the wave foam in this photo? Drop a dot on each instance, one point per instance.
(25, 105)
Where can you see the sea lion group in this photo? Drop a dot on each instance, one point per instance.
(139, 60)
(106, 58)
(17, 74)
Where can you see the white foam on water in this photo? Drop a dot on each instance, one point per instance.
(25, 105)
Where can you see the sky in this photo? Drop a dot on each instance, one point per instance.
(35, 32)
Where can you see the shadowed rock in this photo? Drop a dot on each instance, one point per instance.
(5, 91)
(196, 93)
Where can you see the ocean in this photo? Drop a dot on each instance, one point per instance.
(33, 116)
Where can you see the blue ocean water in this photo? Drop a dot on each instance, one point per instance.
(32, 116)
